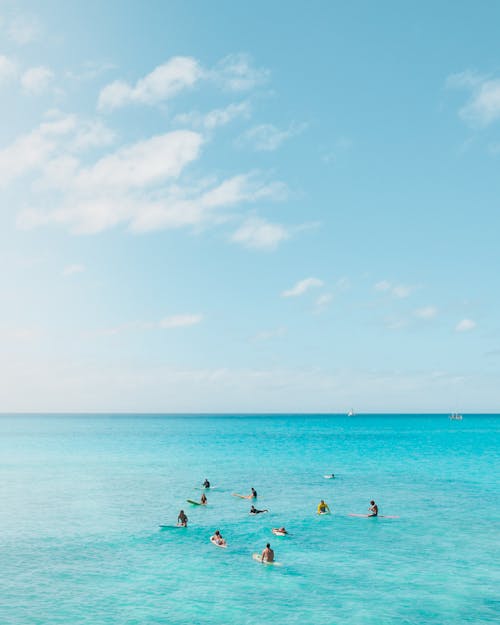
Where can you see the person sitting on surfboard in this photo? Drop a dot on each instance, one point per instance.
(182, 519)
(373, 509)
(217, 538)
(254, 493)
(323, 507)
(268, 554)
(253, 510)
(203, 499)
(206, 483)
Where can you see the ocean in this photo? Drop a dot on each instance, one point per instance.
(82, 498)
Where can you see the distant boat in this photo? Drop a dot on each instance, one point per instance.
(455, 416)
(350, 413)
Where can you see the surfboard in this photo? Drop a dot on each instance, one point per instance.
(372, 516)
(205, 487)
(257, 513)
(243, 496)
(224, 546)
(278, 533)
(173, 527)
(325, 512)
(258, 558)
(194, 503)
(329, 477)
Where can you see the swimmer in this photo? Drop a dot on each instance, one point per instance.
(373, 509)
(323, 507)
(206, 484)
(182, 520)
(253, 510)
(279, 530)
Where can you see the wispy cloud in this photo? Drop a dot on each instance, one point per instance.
(215, 118)
(267, 137)
(427, 312)
(302, 286)
(180, 321)
(36, 80)
(483, 106)
(465, 325)
(400, 291)
(260, 234)
(163, 83)
(323, 302)
(70, 270)
(24, 29)
(268, 335)
(236, 72)
(8, 68)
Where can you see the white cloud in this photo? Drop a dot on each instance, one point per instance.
(8, 68)
(267, 138)
(215, 118)
(180, 321)
(35, 80)
(427, 312)
(72, 269)
(260, 234)
(267, 335)
(24, 29)
(163, 83)
(383, 286)
(322, 302)
(399, 291)
(237, 73)
(465, 325)
(483, 106)
(302, 286)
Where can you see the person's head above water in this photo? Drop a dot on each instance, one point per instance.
(321, 501)
(268, 546)
(372, 503)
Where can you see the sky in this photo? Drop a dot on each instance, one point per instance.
(247, 207)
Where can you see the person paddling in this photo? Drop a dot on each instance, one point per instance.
(253, 510)
(217, 538)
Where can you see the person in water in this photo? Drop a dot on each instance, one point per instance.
(182, 519)
(254, 493)
(217, 538)
(203, 499)
(279, 530)
(267, 554)
(206, 483)
(323, 507)
(253, 510)
(373, 509)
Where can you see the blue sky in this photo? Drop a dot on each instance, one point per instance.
(217, 207)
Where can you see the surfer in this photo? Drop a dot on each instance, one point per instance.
(279, 530)
(253, 510)
(268, 554)
(203, 499)
(217, 538)
(323, 507)
(206, 483)
(373, 509)
(182, 519)
(254, 493)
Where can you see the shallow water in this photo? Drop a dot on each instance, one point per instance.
(82, 498)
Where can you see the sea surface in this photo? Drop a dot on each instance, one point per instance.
(82, 498)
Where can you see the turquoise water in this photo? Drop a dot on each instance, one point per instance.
(82, 498)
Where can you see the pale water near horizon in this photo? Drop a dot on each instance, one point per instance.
(82, 498)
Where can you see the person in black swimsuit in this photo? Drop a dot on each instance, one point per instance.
(253, 510)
